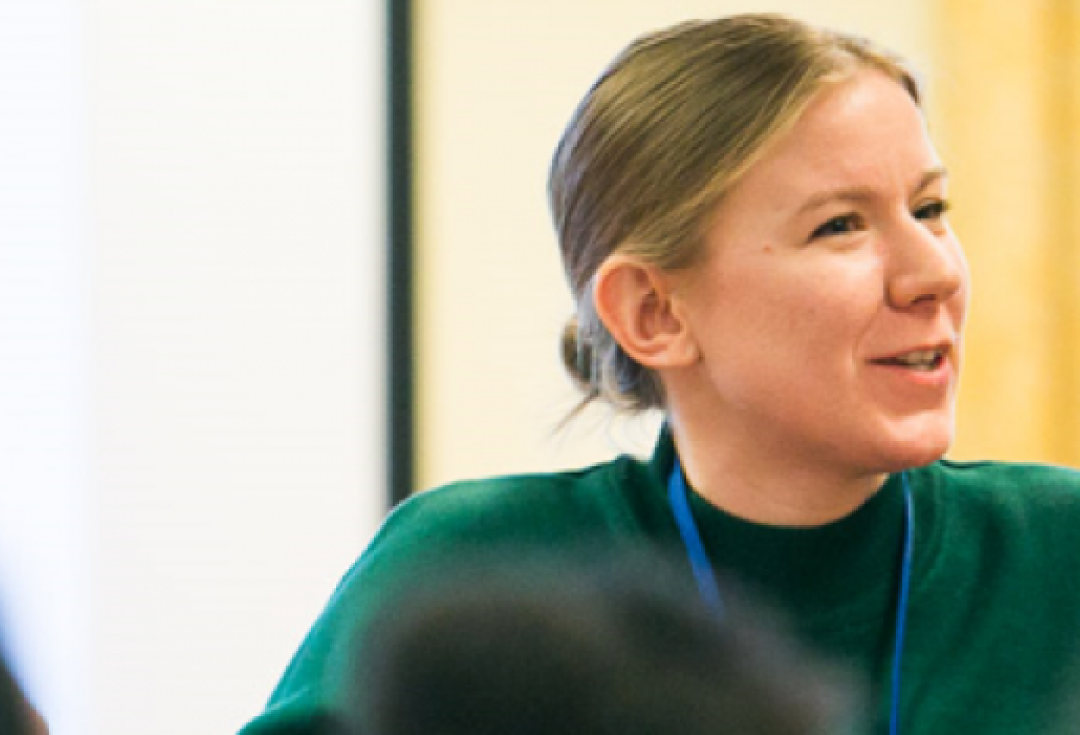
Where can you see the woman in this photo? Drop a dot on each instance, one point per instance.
(751, 216)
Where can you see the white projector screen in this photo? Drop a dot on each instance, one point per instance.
(192, 423)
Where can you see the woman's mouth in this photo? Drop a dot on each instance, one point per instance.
(921, 360)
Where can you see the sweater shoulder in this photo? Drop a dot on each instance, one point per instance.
(516, 505)
(448, 528)
(1019, 481)
(1031, 495)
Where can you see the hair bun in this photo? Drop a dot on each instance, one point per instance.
(577, 357)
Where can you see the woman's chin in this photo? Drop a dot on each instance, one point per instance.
(909, 444)
(907, 453)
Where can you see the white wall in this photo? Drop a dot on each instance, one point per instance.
(44, 466)
(498, 81)
(191, 410)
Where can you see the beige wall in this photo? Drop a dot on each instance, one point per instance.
(1010, 107)
(497, 82)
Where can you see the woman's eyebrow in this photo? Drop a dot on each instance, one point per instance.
(937, 173)
(865, 193)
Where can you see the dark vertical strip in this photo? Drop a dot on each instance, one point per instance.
(401, 367)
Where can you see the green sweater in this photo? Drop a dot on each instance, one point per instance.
(994, 612)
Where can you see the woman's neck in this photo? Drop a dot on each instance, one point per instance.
(770, 490)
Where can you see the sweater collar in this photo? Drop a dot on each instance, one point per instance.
(844, 570)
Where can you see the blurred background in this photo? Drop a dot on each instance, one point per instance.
(196, 214)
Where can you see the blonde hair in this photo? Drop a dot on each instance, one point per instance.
(668, 128)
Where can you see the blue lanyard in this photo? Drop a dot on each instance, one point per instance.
(710, 592)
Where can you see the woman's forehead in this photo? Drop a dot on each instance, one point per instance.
(865, 133)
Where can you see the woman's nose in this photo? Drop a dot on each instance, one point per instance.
(926, 267)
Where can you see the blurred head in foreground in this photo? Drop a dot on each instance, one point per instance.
(17, 715)
(537, 649)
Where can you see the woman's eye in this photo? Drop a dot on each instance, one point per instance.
(837, 226)
(933, 210)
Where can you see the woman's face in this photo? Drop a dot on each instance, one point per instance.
(828, 310)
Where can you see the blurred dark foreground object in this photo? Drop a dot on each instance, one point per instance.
(492, 648)
(17, 715)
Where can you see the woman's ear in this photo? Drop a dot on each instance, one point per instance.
(633, 300)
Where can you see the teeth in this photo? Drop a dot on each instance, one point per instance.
(922, 359)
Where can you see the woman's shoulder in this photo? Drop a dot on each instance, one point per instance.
(449, 529)
(1019, 491)
(530, 511)
(514, 504)
(1029, 479)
